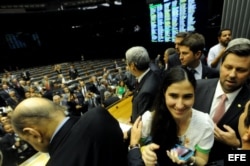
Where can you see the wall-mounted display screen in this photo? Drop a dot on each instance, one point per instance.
(20, 40)
(170, 17)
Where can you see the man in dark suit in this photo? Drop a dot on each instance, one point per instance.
(94, 139)
(138, 60)
(73, 72)
(8, 146)
(4, 91)
(89, 90)
(191, 49)
(234, 71)
(174, 60)
(25, 75)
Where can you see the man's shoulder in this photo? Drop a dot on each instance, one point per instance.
(173, 57)
(97, 113)
(95, 110)
(174, 60)
(204, 82)
(216, 45)
(152, 77)
(210, 72)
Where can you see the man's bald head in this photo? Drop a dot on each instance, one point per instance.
(34, 111)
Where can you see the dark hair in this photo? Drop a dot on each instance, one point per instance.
(170, 51)
(182, 34)
(242, 50)
(195, 42)
(164, 129)
(223, 29)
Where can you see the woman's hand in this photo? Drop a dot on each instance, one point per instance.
(173, 155)
(136, 131)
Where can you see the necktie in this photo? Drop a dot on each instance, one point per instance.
(193, 71)
(220, 109)
(136, 84)
(84, 91)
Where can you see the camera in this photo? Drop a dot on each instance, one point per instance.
(183, 152)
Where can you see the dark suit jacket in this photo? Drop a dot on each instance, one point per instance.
(111, 100)
(92, 88)
(144, 94)
(25, 75)
(203, 100)
(173, 60)
(208, 72)
(73, 74)
(4, 94)
(135, 158)
(12, 103)
(94, 139)
(10, 155)
(155, 68)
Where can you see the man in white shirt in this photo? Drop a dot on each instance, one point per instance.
(215, 52)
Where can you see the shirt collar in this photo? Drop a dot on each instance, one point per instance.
(141, 76)
(59, 127)
(230, 96)
(198, 71)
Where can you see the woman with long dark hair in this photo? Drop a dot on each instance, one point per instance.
(174, 121)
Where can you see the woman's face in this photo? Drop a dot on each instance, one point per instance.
(121, 83)
(179, 98)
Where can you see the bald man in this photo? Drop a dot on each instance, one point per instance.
(94, 139)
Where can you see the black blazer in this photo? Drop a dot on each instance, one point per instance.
(208, 72)
(135, 158)
(144, 94)
(10, 155)
(111, 100)
(94, 139)
(173, 60)
(205, 91)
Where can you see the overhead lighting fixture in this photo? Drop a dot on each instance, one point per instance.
(117, 2)
(105, 4)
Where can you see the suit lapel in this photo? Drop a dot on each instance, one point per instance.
(210, 92)
(236, 107)
(137, 90)
(63, 132)
(204, 72)
(204, 98)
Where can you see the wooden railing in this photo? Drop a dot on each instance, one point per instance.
(122, 110)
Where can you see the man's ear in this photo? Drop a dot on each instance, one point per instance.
(33, 134)
(198, 54)
(133, 66)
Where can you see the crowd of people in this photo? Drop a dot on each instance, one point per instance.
(183, 98)
(171, 119)
(78, 97)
